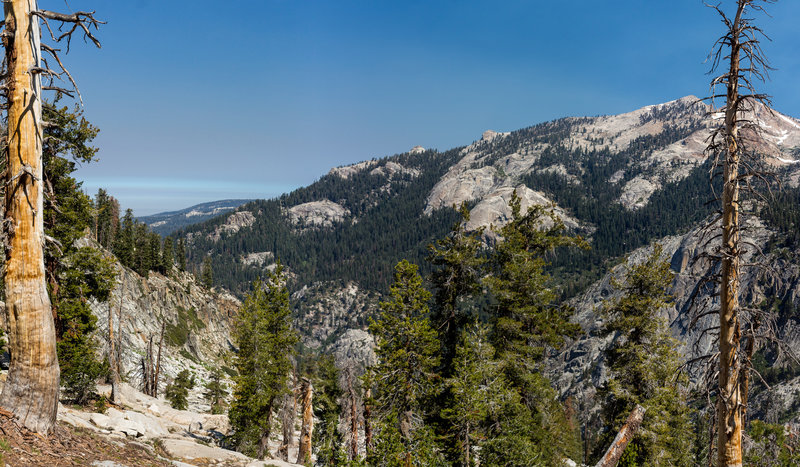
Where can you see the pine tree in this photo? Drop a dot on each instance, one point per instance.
(328, 441)
(106, 218)
(216, 392)
(405, 375)
(643, 368)
(181, 253)
(178, 391)
(263, 334)
(457, 277)
(167, 256)
(481, 394)
(124, 243)
(207, 274)
(528, 321)
(75, 275)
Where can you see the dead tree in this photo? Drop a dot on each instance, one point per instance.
(304, 450)
(739, 51)
(623, 438)
(151, 366)
(288, 414)
(31, 390)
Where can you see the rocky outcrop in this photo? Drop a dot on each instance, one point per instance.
(348, 171)
(579, 367)
(324, 310)
(390, 169)
(196, 322)
(322, 213)
(494, 210)
(235, 222)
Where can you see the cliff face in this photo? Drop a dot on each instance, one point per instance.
(196, 323)
(579, 368)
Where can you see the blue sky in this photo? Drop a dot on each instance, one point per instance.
(204, 100)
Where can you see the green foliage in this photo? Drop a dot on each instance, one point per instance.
(75, 275)
(178, 390)
(480, 396)
(772, 445)
(167, 256)
(263, 334)
(207, 275)
(528, 319)
(405, 375)
(459, 266)
(216, 391)
(327, 442)
(643, 368)
(177, 333)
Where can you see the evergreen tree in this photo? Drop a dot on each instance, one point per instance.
(643, 368)
(459, 267)
(328, 441)
(181, 253)
(263, 334)
(480, 394)
(178, 391)
(106, 218)
(74, 275)
(405, 375)
(207, 274)
(167, 256)
(124, 243)
(216, 392)
(528, 321)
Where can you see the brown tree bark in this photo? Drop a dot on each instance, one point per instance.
(730, 403)
(624, 436)
(304, 451)
(31, 390)
(367, 421)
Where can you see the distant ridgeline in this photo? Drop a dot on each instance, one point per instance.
(381, 218)
(165, 223)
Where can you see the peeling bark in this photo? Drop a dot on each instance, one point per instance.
(31, 390)
(625, 435)
(304, 451)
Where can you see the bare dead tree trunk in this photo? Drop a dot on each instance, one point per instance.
(304, 450)
(288, 411)
(353, 416)
(113, 357)
(624, 436)
(31, 390)
(158, 360)
(263, 442)
(367, 420)
(740, 49)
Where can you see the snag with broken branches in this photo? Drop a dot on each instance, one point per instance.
(31, 390)
(733, 146)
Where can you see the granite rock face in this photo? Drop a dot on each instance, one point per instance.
(323, 213)
(235, 222)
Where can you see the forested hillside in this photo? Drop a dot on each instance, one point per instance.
(582, 169)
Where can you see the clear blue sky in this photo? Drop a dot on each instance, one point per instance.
(203, 100)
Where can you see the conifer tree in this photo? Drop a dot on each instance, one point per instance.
(405, 375)
(178, 391)
(216, 391)
(457, 277)
(106, 218)
(167, 256)
(528, 321)
(207, 274)
(480, 394)
(181, 254)
(124, 243)
(74, 274)
(643, 368)
(263, 334)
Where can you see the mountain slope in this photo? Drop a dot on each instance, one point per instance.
(164, 223)
(621, 181)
